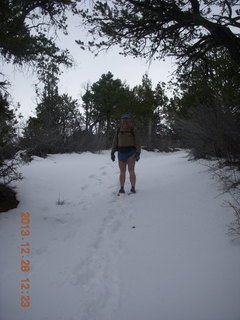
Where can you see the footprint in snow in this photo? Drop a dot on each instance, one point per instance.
(41, 250)
(116, 226)
(69, 235)
(95, 194)
(99, 180)
(60, 220)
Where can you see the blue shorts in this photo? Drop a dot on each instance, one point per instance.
(122, 156)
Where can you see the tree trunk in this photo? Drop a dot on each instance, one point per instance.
(224, 37)
(150, 133)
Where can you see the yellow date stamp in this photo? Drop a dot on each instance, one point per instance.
(25, 263)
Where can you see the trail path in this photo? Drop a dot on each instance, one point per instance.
(161, 254)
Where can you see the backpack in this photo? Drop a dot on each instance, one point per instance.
(131, 130)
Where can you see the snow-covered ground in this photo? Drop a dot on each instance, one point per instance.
(161, 254)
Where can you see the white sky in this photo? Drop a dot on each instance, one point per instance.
(88, 68)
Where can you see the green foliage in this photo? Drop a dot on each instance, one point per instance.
(150, 102)
(58, 125)
(108, 98)
(7, 122)
(204, 38)
(107, 94)
(57, 117)
(25, 30)
(105, 101)
(207, 113)
(158, 133)
(28, 35)
(186, 30)
(145, 98)
(8, 141)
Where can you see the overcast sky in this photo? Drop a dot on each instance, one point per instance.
(88, 68)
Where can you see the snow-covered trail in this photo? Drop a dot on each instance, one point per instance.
(161, 254)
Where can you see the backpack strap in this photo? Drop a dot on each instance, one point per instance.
(131, 131)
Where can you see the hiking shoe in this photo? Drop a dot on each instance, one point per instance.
(133, 190)
(122, 190)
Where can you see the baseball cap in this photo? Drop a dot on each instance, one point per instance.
(126, 116)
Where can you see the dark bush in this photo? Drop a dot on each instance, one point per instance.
(8, 198)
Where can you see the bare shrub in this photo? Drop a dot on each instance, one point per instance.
(229, 176)
(60, 202)
(9, 171)
(234, 227)
(211, 131)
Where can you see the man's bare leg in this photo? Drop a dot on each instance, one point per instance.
(122, 177)
(131, 165)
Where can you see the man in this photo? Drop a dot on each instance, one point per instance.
(127, 142)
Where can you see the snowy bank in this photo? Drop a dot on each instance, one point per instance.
(161, 254)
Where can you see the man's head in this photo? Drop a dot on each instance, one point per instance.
(126, 120)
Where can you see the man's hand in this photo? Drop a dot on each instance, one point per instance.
(137, 156)
(112, 156)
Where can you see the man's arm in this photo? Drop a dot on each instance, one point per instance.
(115, 142)
(137, 140)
